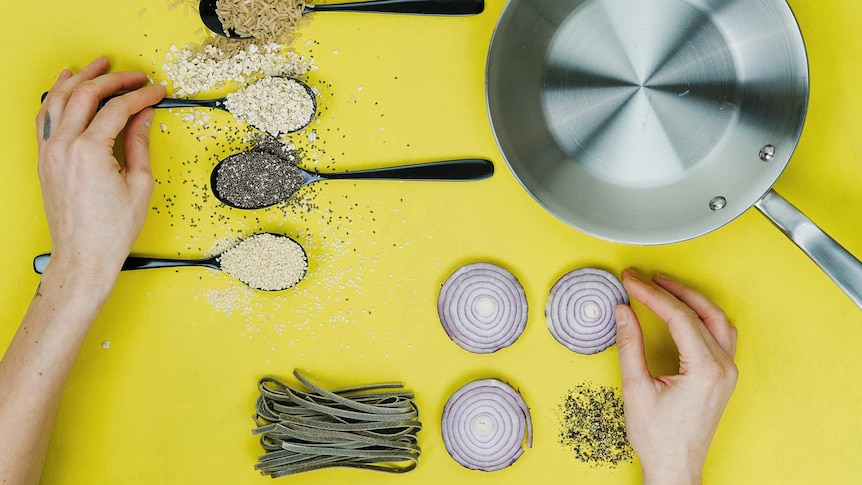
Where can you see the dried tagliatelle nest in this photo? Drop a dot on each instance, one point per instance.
(268, 20)
(305, 428)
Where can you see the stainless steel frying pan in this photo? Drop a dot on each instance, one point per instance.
(656, 121)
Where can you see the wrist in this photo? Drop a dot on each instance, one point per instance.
(671, 475)
(82, 282)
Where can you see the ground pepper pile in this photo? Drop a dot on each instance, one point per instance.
(592, 425)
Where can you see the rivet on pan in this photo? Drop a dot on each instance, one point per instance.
(767, 153)
(717, 203)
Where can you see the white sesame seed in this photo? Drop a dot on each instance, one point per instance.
(266, 262)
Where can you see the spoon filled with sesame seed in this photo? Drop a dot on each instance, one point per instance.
(276, 105)
(260, 178)
(267, 19)
(266, 261)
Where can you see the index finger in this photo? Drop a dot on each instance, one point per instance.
(85, 98)
(111, 120)
(685, 326)
(712, 315)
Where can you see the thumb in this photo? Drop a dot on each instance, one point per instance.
(136, 145)
(630, 347)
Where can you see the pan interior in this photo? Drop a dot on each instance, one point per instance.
(634, 120)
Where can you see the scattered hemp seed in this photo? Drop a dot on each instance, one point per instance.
(266, 262)
(275, 105)
(593, 426)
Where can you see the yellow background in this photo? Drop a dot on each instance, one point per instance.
(170, 399)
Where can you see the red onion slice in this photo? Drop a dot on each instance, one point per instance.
(483, 308)
(485, 425)
(580, 310)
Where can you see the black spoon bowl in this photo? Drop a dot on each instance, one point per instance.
(40, 263)
(445, 171)
(217, 103)
(207, 9)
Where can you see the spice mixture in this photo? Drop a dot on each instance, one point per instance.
(593, 426)
(275, 105)
(266, 262)
(259, 178)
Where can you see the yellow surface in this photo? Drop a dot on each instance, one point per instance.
(170, 399)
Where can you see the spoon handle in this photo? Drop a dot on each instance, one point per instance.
(190, 103)
(452, 170)
(217, 103)
(134, 262)
(422, 7)
(137, 262)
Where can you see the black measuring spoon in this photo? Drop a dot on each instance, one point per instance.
(207, 9)
(137, 262)
(446, 171)
(217, 103)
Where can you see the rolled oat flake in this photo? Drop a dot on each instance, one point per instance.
(275, 105)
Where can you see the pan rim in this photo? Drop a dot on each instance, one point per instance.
(795, 137)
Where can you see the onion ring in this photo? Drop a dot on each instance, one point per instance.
(483, 308)
(580, 310)
(485, 425)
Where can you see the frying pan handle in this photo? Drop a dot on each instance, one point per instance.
(844, 269)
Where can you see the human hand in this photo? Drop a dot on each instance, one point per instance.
(671, 420)
(95, 206)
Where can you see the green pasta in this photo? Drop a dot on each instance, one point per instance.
(370, 427)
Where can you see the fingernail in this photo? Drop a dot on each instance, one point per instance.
(631, 273)
(621, 315)
(148, 117)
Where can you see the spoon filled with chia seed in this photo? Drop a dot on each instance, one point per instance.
(260, 178)
(266, 261)
(237, 19)
(276, 105)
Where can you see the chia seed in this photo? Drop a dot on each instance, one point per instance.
(260, 177)
(593, 426)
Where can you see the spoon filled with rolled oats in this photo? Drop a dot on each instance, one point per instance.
(266, 261)
(276, 105)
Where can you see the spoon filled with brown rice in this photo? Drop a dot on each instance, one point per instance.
(276, 20)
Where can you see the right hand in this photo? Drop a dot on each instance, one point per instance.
(671, 420)
(95, 206)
